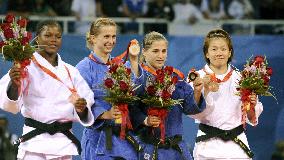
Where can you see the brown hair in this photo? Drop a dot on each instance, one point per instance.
(95, 28)
(217, 33)
(148, 40)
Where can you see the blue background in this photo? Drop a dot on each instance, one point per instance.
(185, 53)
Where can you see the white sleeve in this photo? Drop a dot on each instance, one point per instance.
(5, 103)
(84, 91)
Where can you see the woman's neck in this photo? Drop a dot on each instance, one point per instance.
(219, 69)
(149, 65)
(103, 56)
(51, 58)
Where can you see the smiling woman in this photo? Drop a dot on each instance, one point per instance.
(102, 141)
(48, 111)
(49, 40)
(221, 134)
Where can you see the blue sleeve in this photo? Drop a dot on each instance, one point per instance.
(100, 106)
(141, 81)
(137, 115)
(137, 110)
(184, 91)
(133, 76)
(97, 109)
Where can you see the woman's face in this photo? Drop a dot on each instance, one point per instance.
(105, 41)
(156, 55)
(49, 40)
(218, 52)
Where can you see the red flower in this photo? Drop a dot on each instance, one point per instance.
(123, 86)
(151, 90)
(160, 75)
(174, 79)
(160, 78)
(258, 60)
(245, 95)
(29, 35)
(8, 33)
(109, 83)
(5, 26)
(2, 43)
(269, 71)
(160, 72)
(25, 62)
(169, 70)
(25, 40)
(22, 23)
(166, 94)
(128, 71)
(265, 80)
(9, 18)
(113, 68)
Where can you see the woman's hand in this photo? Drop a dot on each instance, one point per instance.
(15, 82)
(80, 105)
(251, 111)
(134, 48)
(253, 99)
(15, 74)
(198, 84)
(113, 113)
(153, 121)
(209, 84)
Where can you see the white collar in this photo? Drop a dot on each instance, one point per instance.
(209, 70)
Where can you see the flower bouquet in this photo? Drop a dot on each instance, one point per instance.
(15, 45)
(159, 89)
(120, 92)
(255, 79)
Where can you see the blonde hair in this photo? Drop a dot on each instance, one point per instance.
(95, 29)
(148, 40)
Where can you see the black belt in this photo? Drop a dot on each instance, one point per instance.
(55, 127)
(110, 130)
(170, 142)
(225, 135)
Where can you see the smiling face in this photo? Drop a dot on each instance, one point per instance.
(218, 52)
(105, 40)
(156, 54)
(49, 39)
(218, 48)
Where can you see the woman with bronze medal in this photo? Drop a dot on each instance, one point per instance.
(221, 133)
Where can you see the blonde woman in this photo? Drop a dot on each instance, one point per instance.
(154, 55)
(102, 141)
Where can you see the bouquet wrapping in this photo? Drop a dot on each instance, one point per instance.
(255, 80)
(15, 45)
(120, 90)
(159, 89)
